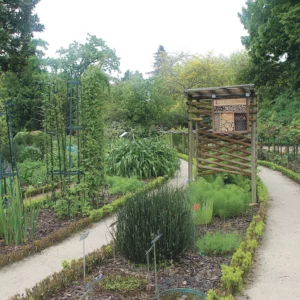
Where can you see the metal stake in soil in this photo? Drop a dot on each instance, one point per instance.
(154, 253)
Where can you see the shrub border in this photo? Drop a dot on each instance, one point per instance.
(234, 274)
(56, 282)
(241, 261)
(289, 173)
(63, 233)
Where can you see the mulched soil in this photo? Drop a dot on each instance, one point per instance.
(190, 271)
(47, 223)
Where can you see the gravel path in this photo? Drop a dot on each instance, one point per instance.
(17, 277)
(276, 272)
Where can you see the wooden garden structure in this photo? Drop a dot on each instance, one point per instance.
(225, 120)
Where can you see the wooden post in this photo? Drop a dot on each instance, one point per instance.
(190, 161)
(197, 145)
(253, 152)
(183, 143)
(171, 139)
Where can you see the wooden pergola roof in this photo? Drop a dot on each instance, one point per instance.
(245, 90)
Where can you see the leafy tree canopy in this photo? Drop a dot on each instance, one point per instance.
(17, 25)
(78, 57)
(273, 41)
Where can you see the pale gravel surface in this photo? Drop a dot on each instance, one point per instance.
(17, 277)
(276, 270)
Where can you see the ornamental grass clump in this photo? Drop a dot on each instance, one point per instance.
(15, 223)
(143, 158)
(229, 200)
(143, 216)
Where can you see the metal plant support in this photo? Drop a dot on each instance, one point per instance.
(8, 168)
(63, 130)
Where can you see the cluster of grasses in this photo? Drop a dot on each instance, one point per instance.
(144, 158)
(15, 222)
(228, 200)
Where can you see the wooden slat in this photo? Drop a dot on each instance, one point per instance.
(223, 138)
(247, 173)
(223, 159)
(209, 162)
(226, 153)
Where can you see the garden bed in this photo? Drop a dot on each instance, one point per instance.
(191, 270)
(47, 223)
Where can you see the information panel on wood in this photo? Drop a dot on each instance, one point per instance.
(230, 115)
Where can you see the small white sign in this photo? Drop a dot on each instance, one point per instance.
(84, 235)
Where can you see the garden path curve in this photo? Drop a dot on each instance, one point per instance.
(276, 272)
(17, 277)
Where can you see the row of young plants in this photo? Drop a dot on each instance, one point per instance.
(63, 233)
(233, 275)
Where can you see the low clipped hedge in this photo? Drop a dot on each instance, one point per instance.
(56, 282)
(63, 233)
(241, 261)
(289, 173)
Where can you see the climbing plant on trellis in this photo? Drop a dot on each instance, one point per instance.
(75, 141)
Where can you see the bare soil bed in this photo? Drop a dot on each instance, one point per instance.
(191, 270)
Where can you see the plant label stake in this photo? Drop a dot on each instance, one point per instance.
(82, 238)
(154, 253)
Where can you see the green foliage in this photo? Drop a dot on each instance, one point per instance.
(123, 185)
(272, 41)
(249, 245)
(18, 24)
(33, 173)
(122, 283)
(259, 228)
(166, 211)
(97, 214)
(203, 212)
(241, 259)
(287, 172)
(228, 200)
(79, 57)
(218, 243)
(232, 278)
(95, 92)
(15, 223)
(262, 192)
(212, 295)
(143, 158)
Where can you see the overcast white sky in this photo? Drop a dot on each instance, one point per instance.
(135, 28)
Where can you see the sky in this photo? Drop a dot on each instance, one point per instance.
(136, 28)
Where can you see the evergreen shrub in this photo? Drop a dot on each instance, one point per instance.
(167, 211)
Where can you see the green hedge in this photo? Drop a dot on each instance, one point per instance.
(63, 233)
(241, 261)
(56, 282)
(285, 171)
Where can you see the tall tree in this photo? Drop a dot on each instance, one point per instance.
(17, 26)
(273, 41)
(78, 57)
(159, 58)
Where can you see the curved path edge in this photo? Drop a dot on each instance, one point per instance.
(15, 278)
(276, 270)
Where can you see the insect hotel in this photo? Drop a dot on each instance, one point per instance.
(224, 120)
